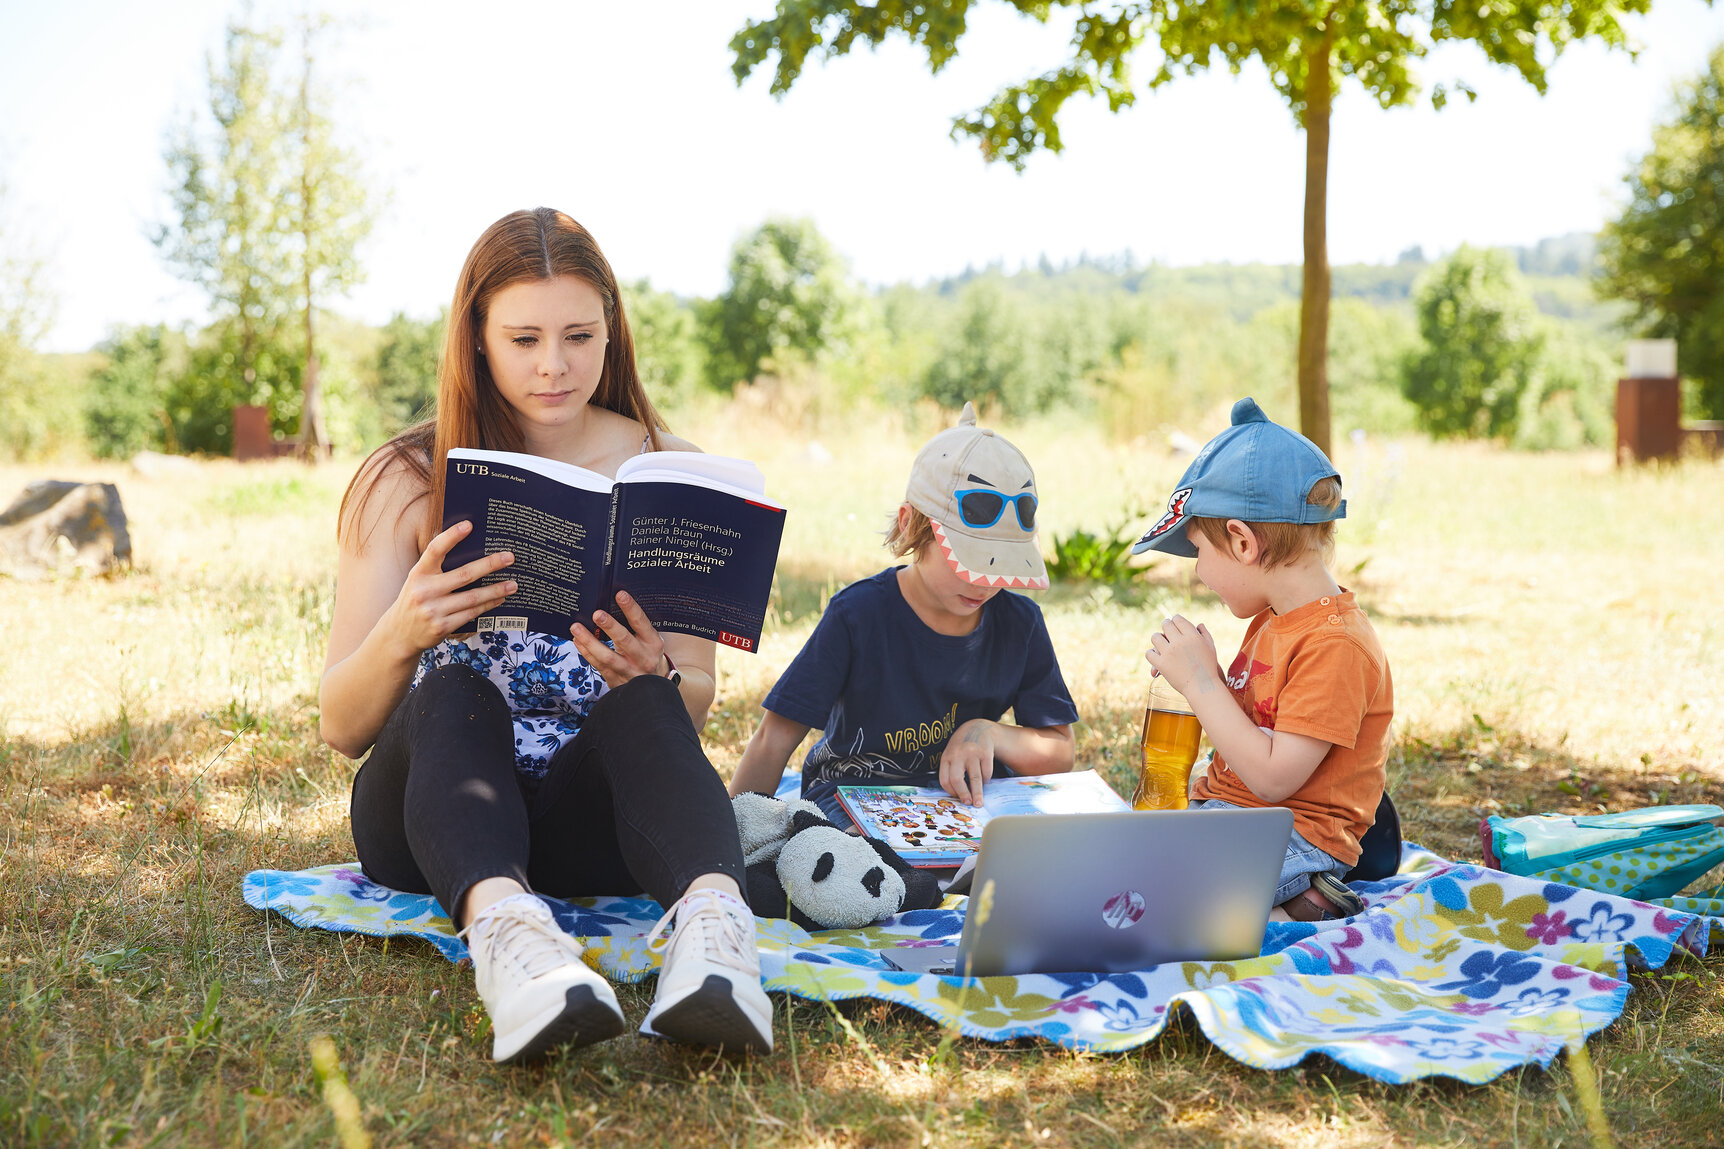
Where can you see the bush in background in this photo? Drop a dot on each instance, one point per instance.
(199, 401)
(38, 409)
(1491, 366)
(1571, 401)
(125, 404)
(348, 352)
(1183, 363)
(1083, 556)
(1149, 353)
(668, 351)
(789, 297)
(405, 369)
(159, 389)
(40, 416)
(1482, 344)
(1367, 345)
(984, 355)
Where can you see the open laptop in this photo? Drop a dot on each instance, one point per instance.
(1109, 893)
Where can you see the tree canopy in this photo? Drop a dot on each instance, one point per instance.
(269, 211)
(328, 211)
(1308, 47)
(1665, 254)
(228, 179)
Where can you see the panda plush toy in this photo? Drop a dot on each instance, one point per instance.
(802, 867)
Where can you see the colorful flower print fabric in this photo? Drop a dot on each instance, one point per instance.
(1453, 970)
(549, 687)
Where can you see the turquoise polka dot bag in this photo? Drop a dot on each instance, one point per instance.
(1649, 855)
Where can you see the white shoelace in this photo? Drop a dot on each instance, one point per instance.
(522, 928)
(713, 924)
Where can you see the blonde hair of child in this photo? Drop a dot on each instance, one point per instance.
(909, 535)
(1282, 543)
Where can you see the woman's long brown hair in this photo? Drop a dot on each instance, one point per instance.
(523, 246)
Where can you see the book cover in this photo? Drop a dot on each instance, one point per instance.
(692, 537)
(930, 829)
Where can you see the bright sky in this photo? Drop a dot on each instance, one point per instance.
(626, 116)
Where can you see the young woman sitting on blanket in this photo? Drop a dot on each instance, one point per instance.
(504, 762)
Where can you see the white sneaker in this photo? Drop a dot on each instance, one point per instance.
(709, 986)
(538, 991)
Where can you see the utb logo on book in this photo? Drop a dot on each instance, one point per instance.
(472, 469)
(735, 640)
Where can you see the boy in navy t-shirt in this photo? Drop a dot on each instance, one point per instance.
(909, 672)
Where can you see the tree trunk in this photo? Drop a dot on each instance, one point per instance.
(247, 360)
(313, 435)
(247, 352)
(1314, 296)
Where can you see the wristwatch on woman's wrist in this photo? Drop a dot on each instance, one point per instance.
(670, 670)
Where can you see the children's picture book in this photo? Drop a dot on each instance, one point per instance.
(930, 829)
(692, 537)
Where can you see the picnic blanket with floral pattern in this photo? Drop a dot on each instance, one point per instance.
(1453, 970)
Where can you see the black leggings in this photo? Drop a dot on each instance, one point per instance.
(630, 804)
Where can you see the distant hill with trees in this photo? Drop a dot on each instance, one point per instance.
(1145, 348)
(1246, 288)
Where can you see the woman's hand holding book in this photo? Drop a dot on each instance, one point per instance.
(433, 603)
(635, 648)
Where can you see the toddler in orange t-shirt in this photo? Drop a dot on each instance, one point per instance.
(1301, 717)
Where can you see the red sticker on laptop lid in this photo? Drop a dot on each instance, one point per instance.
(1123, 910)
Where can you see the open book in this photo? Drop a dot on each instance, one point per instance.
(931, 829)
(692, 537)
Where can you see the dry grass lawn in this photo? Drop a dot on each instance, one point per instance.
(1555, 646)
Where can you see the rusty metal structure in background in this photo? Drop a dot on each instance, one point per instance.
(253, 439)
(1649, 408)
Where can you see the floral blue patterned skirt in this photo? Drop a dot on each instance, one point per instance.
(550, 688)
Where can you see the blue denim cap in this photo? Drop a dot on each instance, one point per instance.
(1255, 471)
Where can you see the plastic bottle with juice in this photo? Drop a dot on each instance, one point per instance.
(1171, 734)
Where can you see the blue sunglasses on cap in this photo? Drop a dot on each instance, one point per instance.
(981, 508)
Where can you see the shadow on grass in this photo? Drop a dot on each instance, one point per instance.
(1445, 785)
(124, 812)
(142, 1002)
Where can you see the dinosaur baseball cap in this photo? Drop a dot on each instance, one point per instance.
(979, 493)
(1255, 471)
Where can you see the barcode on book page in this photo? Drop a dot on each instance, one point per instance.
(502, 622)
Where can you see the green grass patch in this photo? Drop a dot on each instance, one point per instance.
(276, 495)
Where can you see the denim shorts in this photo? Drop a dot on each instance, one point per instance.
(1302, 860)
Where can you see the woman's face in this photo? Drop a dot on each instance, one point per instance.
(545, 343)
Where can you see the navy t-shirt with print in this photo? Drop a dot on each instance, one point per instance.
(888, 691)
